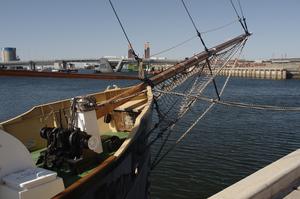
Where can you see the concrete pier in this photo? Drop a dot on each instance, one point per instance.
(258, 73)
(280, 179)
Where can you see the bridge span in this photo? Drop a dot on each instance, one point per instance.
(119, 62)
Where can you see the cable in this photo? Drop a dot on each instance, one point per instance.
(239, 104)
(238, 16)
(157, 160)
(193, 37)
(220, 27)
(234, 64)
(171, 126)
(175, 46)
(203, 43)
(187, 11)
(127, 38)
(227, 103)
(241, 9)
(191, 19)
(242, 12)
(181, 137)
(235, 10)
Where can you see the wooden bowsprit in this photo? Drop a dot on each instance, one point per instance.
(110, 105)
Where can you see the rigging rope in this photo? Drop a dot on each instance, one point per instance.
(241, 9)
(162, 117)
(204, 45)
(201, 87)
(227, 103)
(238, 16)
(136, 57)
(243, 16)
(219, 27)
(181, 137)
(193, 37)
(259, 107)
(158, 159)
(234, 64)
(238, 104)
(172, 124)
(191, 19)
(175, 46)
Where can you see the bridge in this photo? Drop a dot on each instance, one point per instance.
(115, 63)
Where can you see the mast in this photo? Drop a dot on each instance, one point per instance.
(111, 104)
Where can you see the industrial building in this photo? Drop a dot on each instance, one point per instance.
(8, 54)
(130, 52)
(147, 50)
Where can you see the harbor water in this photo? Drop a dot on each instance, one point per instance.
(226, 146)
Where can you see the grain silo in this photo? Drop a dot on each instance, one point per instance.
(8, 54)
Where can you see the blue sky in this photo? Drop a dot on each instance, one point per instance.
(41, 29)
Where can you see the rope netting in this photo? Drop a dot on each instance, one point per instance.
(176, 97)
(178, 89)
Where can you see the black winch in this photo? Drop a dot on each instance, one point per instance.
(63, 146)
(68, 149)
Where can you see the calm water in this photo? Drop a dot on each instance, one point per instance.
(229, 144)
(19, 94)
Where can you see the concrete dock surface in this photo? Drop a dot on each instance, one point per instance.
(280, 179)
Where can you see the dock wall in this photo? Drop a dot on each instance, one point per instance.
(257, 73)
(292, 68)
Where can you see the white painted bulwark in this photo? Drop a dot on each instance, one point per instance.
(272, 181)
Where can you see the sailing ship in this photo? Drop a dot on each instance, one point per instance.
(98, 145)
(89, 146)
(118, 162)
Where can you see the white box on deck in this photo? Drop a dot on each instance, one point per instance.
(87, 121)
(31, 183)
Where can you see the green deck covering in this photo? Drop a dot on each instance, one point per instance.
(120, 134)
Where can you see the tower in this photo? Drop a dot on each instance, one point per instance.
(147, 50)
(130, 52)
